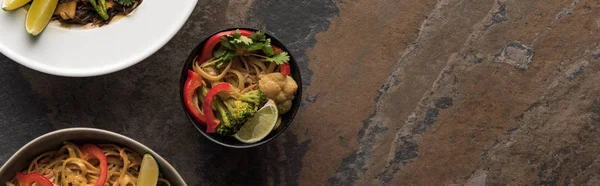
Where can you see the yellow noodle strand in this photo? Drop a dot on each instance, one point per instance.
(66, 166)
(240, 78)
(209, 77)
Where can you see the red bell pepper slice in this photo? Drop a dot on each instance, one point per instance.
(283, 68)
(31, 178)
(211, 120)
(210, 44)
(90, 151)
(194, 80)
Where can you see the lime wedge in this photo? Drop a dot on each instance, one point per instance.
(39, 15)
(260, 125)
(8, 5)
(278, 124)
(148, 170)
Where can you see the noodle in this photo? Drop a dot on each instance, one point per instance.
(255, 68)
(271, 67)
(67, 166)
(257, 63)
(246, 65)
(211, 77)
(248, 89)
(240, 79)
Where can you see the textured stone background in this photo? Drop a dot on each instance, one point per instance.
(397, 92)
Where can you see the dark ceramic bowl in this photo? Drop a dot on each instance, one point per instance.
(54, 140)
(286, 119)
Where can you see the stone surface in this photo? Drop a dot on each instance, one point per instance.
(397, 92)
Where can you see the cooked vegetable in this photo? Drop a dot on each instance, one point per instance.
(95, 12)
(100, 7)
(90, 164)
(90, 151)
(240, 110)
(66, 10)
(31, 178)
(285, 67)
(233, 114)
(211, 120)
(255, 97)
(280, 88)
(125, 2)
(193, 82)
(242, 70)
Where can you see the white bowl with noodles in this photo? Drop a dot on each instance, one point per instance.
(54, 140)
(81, 52)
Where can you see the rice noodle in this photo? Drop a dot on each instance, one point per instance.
(66, 166)
(240, 78)
(271, 67)
(204, 74)
(258, 64)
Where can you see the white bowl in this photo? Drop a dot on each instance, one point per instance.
(79, 52)
(53, 141)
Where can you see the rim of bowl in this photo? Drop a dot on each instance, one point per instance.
(123, 64)
(295, 103)
(30, 144)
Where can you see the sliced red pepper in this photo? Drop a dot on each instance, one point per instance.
(31, 178)
(211, 120)
(210, 44)
(90, 151)
(194, 80)
(283, 68)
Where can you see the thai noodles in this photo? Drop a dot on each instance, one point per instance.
(237, 74)
(72, 165)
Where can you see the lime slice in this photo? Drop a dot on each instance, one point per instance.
(260, 125)
(39, 15)
(8, 5)
(148, 170)
(278, 124)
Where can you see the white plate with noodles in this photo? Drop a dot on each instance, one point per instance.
(83, 51)
(58, 157)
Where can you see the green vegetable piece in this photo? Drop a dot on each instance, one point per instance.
(279, 58)
(100, 8)
(255, 97)
(125, 2)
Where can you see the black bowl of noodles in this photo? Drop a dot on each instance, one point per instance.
(286, 68)
(49, 150)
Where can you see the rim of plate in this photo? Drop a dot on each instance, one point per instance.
(107, 69)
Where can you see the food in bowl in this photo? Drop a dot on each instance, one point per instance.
(90, 164)
(81, 12)
(239, 85)
(87, 12)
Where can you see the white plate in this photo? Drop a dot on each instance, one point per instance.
(97, 51)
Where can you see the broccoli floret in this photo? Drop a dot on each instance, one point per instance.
(228, 125)
(240, 110)
(223, 113)
(225, 131)
(256, 97)
(233, 114)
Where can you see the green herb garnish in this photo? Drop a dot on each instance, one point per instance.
(236, 44)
